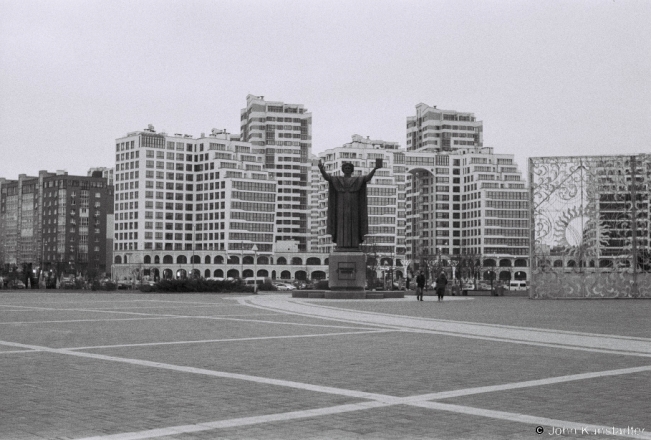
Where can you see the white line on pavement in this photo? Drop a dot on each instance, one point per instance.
(523, 335)
(528, 383)
(119, 319)
(378, 399)
(577, 428)
(215, 317)
(148, 344)
(244, 421)
(19, 351)
(203, 371)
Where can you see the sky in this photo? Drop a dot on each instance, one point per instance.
(547, 78)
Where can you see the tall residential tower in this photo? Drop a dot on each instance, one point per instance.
(284, 131)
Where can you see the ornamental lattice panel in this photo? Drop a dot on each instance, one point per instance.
(590, 235)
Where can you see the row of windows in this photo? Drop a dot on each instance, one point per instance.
(508, 232)
(250, 206)
(257, 227)
(507, 214)
(265, 238)
(254, 196)
(384, 210)
(507, 241)
(381, 230)
(506, 251)
(252, 216)
(381, 220)
(512, 195)
(381, 201)
(124, 146)
(254, 186)
(507, 223)
(506, 204)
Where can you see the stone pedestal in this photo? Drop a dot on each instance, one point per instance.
(347, 271)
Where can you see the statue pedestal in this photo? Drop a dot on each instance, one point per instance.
(347, 271)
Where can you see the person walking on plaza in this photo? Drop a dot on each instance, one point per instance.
(420, 285)
(441, 282)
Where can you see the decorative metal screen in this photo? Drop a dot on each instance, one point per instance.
(590, 218)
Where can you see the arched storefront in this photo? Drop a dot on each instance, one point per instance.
(318, 275)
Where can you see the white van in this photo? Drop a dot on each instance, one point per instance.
(518, 285)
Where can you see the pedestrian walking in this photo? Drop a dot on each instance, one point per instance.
(441, 282)
(420, 285)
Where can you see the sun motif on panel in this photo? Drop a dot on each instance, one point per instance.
(578, 233)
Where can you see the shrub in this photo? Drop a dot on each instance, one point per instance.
(267, 286)
(322, 285)
(109, 285)
(200, 285)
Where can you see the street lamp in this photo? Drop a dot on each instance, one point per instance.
(255, 269)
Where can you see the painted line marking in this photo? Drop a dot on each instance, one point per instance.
(148, 344)
(244, 421)
(118, 319)
(523, 418)
(378, 399)
(20, 351)
(568, 340)
(528, 384)
(217, 317)
(205, 372)
(481, 324)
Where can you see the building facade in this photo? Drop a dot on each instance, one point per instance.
(107, 173)
(284, 132)
(432, 129)
(467, 207)
(56, 221)
(196, 207)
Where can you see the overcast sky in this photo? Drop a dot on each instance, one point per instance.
(545, 77)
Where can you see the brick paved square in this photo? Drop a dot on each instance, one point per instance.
(197, 366)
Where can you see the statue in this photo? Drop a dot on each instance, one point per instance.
(347, 207)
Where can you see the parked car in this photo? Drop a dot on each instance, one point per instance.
(124, 284)
(67, 281)
(518, 285)
(284, 286)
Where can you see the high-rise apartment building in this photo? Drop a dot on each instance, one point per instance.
(462, 198)
(186, 205)
(57, 221)
(181, 200)
(284, 131)
(440, 130)
(386, 195)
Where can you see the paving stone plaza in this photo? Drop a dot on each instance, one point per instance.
(190, 366)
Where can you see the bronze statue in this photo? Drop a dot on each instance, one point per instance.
(347, 207)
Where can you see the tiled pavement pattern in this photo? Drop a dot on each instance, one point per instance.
(136, 366)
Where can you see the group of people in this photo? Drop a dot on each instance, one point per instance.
(439, 285)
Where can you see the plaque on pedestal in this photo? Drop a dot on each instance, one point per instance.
(347, 271)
